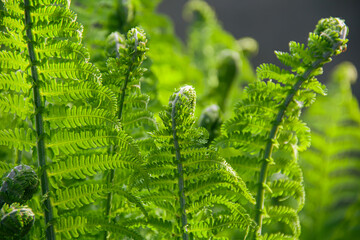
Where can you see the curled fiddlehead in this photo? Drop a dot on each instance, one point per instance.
(19, 185)
(16, 221)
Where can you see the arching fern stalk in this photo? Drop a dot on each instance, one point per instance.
(188, 179)
(267, 131)
(70, 118)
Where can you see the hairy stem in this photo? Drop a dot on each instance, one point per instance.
(111, 174)
(48, 211)
(185, 235)
(260, 198)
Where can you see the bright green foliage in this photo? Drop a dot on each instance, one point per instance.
(191, 186)
(268, 134)
(107, 172)
(331, 164)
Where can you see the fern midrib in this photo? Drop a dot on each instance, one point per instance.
(48, 211)
(181, 186)
(260, 199)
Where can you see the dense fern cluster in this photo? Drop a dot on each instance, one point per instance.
(109, 168)
(70, 120)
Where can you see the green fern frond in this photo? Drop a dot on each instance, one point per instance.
(76, 197)
(286, 215)
(72, 141)
(13, 41)
(276, 236)
(74, 117)
(61, 29)
(80, 167)
(62, 49)
(17, 105)
(72, 227)
(74, 71)
(14, 81)
(10, 61)
(18, 138)
(266, 128)
(286, 189)
(63, 92)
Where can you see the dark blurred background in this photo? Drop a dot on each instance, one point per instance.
(273, 23)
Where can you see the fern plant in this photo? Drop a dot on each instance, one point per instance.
(107, 171)
(267, 133)
(331, 164)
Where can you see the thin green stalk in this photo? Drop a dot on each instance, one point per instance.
(260, 198)
(185, 235)
(111, 174)
(18, 156)
(48, 211)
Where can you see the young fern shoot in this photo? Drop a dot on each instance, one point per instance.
(188, 179)
(123, 77)
(268, 133)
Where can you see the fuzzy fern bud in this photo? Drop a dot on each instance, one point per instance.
(16, 222)
(136, 44)
(19, 185)
(333, 31)
(185, 98)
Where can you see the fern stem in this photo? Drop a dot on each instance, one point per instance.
(259, 208)
(127, 77)
(180, 171)
(18, 156)
(48, 211)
